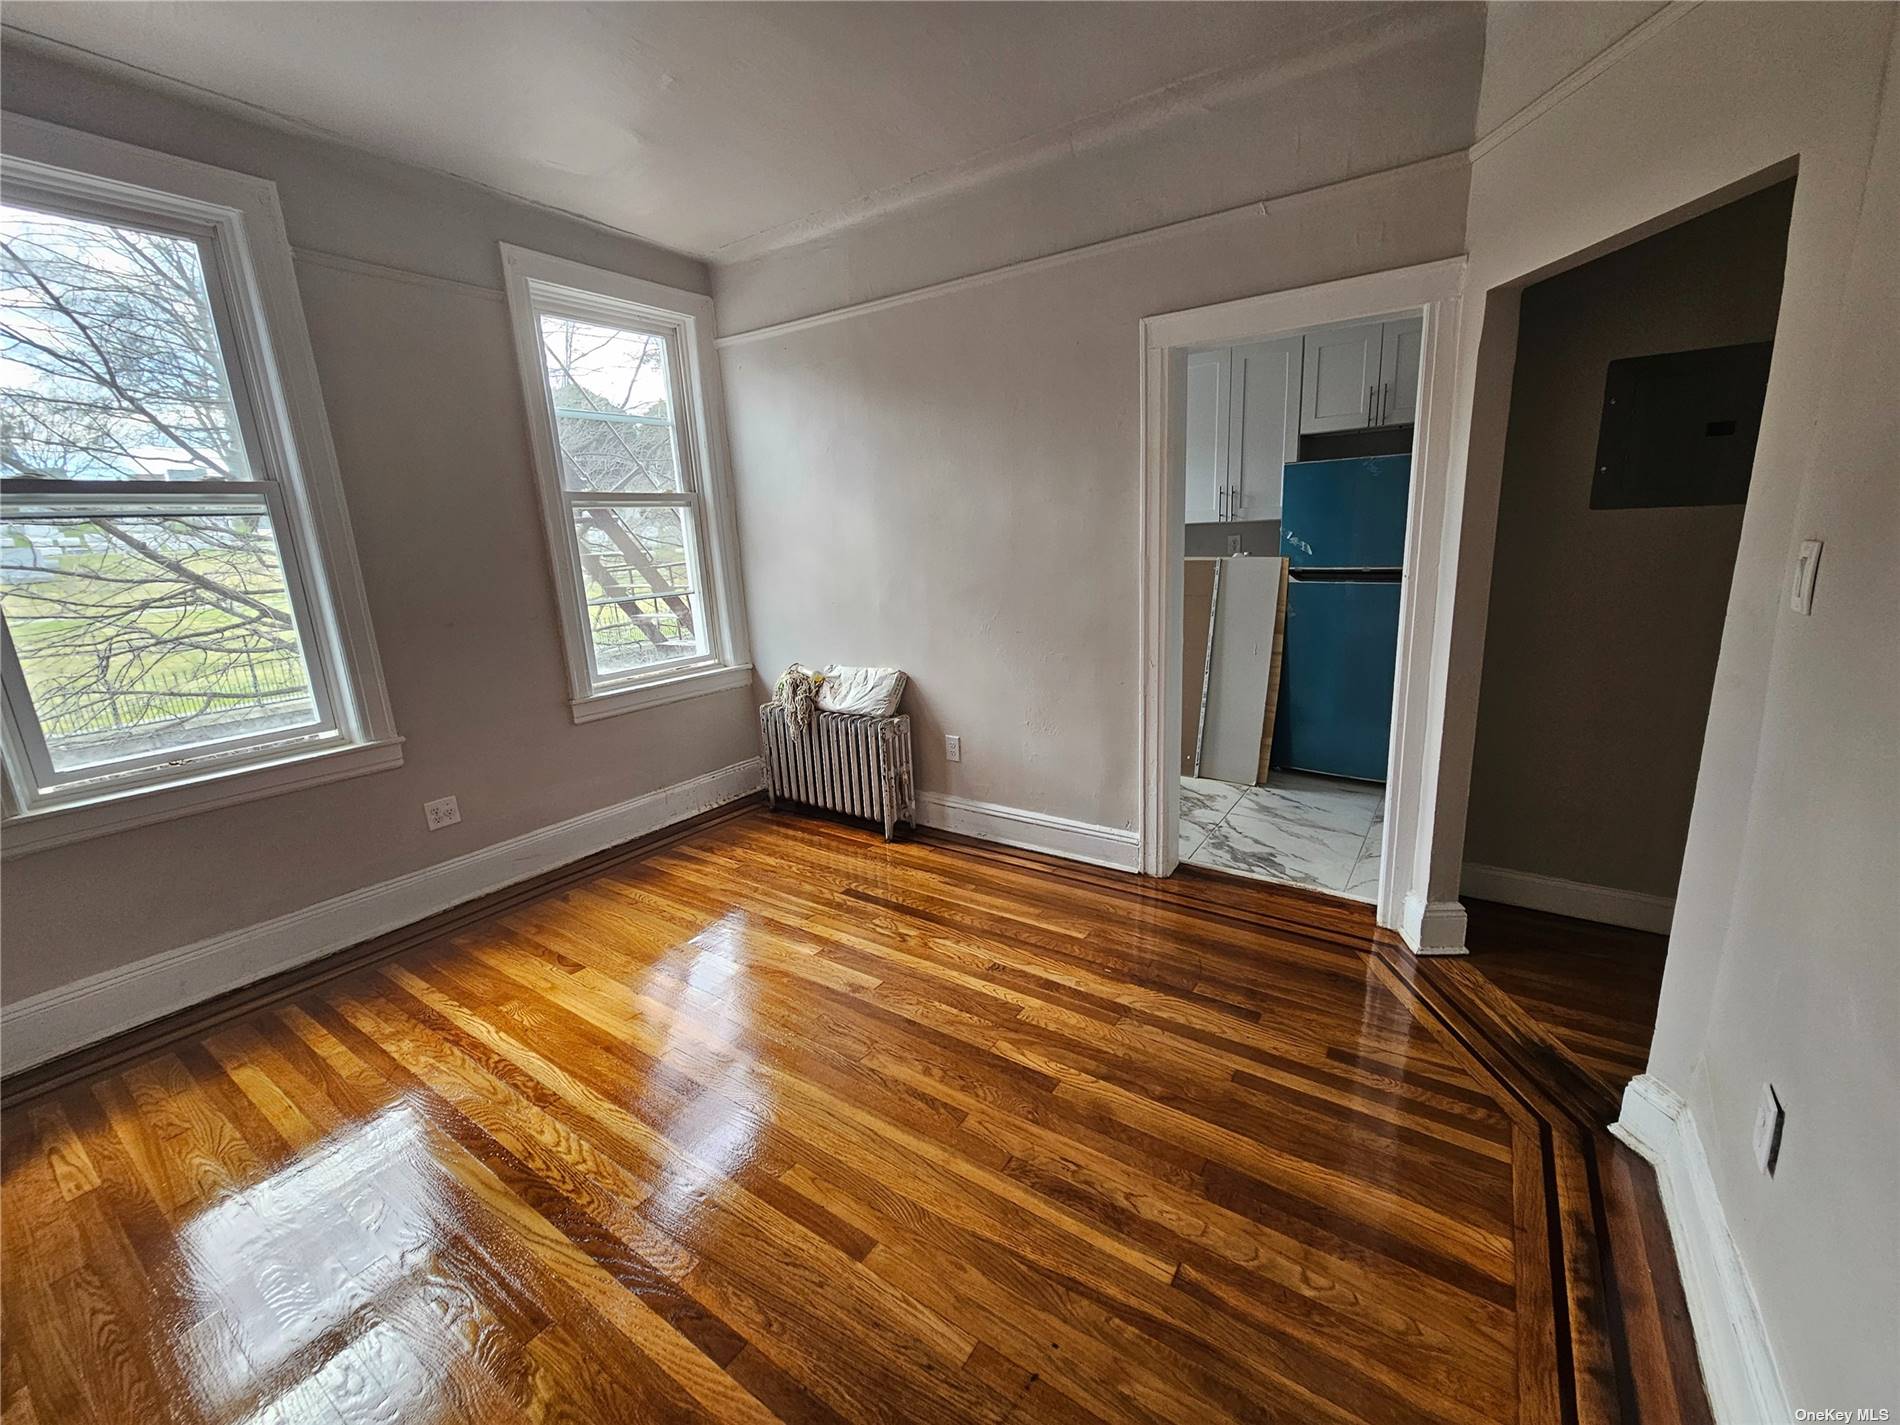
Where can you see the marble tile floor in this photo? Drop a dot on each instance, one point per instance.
(1319, 832)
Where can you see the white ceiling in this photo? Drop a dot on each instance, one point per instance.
(722, 130)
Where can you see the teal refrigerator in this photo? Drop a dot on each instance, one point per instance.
(1342, 530)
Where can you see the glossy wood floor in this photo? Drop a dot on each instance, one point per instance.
(1591, 988)
(780, 1121)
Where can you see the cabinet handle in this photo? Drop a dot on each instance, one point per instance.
(1385, 401)
(1372, 408)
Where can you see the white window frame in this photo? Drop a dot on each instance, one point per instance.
(274, 381)
(537, 283)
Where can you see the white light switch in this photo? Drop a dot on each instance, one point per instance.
(1801, 594)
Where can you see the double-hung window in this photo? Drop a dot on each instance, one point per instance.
(621, 394)
(170, 522)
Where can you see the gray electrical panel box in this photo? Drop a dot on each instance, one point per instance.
(1680, 428)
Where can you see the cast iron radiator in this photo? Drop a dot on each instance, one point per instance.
(842, 762)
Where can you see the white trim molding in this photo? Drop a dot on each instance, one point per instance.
(1606, 905)
(663, 690)
(69, 1017)
(1432, 927)
(538, 285)
(1028, 266)
(1434, 289)
(1645, 31)
(1108, 846)
(1738, 1365)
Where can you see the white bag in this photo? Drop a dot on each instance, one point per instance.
(868, 692)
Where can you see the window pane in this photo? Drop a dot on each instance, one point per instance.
(641, 605)
(110, 367)
(145, 634)
(612, 412)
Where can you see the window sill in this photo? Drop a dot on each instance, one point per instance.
(27, 832)
(697, 683)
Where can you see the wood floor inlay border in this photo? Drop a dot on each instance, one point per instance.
(1596, 1377)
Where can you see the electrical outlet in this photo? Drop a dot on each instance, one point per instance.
(1769, 1116)
(952, 747)
(441, 812)
(1233, 544)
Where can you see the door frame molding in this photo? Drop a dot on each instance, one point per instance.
(1436, 289)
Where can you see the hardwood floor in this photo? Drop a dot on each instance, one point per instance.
(1591, 988)
(780, 1121)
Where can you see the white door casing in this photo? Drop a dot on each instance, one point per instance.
(1435, 291)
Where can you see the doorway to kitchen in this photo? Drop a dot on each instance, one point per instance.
(1289, 439)
(1298, 457)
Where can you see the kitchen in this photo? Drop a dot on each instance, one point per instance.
(1298, 472)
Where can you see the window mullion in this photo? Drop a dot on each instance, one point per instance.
(317, 665)
(141, 494)
(619, 499)
(621, 417)
(241, 354)
(23, 719)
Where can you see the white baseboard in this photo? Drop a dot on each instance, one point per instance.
(1432, 928)
(1605, 905)
(1031, 830)
(66, 1018)
(1744, 1384)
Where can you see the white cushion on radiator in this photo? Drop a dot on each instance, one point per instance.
(868, 692)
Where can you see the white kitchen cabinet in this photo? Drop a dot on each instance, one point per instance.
(1263, 422)
(1400, 347)
(1339, 377)
(1248, 406)
(1243, 407)
(1361, 375)
(1208, 381)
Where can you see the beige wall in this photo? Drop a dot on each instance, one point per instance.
(1782, 962)
(1530, 45)
(424, 402)
(953, 484)
(1394, 87)
(1599, 655)
(1808, 992)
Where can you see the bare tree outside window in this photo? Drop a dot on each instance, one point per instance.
(140, 624)
(609, 387)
